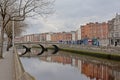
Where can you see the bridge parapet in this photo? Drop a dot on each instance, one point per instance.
(45, 44)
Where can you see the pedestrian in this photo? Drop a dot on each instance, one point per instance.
(115, 43)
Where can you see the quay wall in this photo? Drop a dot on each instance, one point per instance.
(104, 53)
(20, 73)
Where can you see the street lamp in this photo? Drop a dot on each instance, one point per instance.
(13, 34)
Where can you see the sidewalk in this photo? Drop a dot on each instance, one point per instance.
(7, 66)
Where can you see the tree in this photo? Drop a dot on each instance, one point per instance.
(18, 10)
(19, 27)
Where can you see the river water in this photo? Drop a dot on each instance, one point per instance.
(67, 66)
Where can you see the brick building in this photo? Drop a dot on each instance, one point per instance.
(95, 31)
(30, 38)
(42, 37)
(18, 39)
(61, 36)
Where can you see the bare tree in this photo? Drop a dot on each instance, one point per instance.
(17, 10)
(19, 27)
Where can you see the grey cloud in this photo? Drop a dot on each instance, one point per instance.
(70, 14)
(84, 8)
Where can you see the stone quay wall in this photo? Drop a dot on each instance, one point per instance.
(20, 73)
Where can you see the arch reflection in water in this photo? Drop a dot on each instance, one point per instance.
(27, 50)
(43, 49)
(56, 49)
(70, 66)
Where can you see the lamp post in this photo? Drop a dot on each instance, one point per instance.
(13, 34)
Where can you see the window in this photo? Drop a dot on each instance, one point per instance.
(116, 34)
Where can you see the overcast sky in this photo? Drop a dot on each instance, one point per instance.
(70, 14)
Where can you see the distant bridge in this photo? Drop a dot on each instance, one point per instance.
(17, 43)
(44, 45)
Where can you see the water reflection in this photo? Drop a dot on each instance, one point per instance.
(64, 67)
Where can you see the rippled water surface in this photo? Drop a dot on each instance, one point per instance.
(65, 66)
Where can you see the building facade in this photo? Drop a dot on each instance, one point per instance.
(78, 33)
(48, 36)
(42, 37)
(30, 38)
(73, 35)
(114, 30)
(61, 36)
(96, 30)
